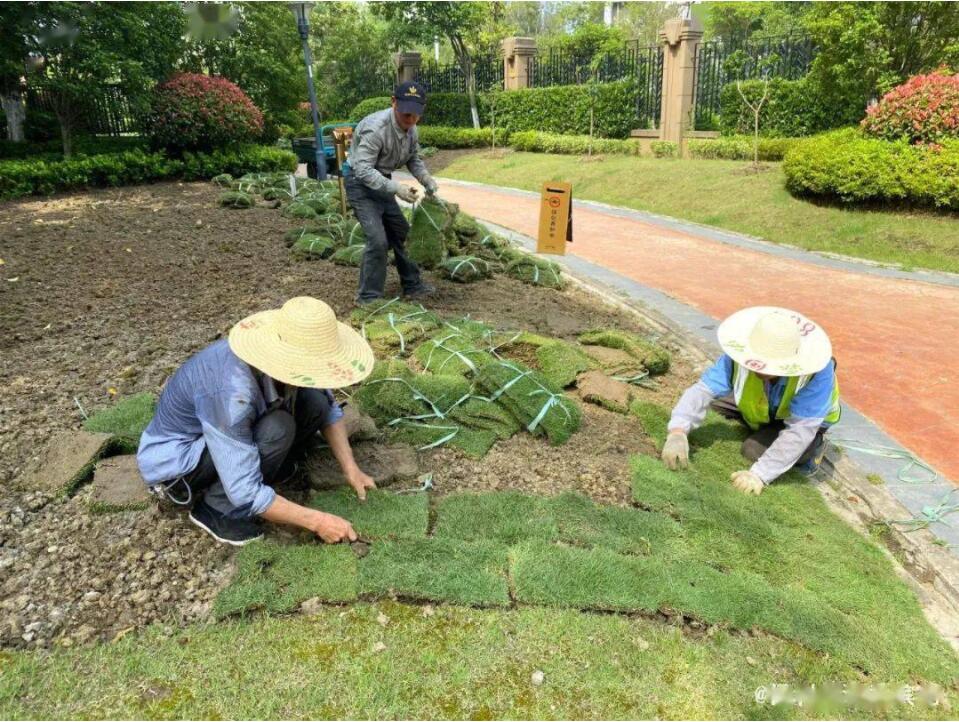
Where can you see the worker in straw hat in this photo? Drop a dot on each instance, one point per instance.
(778, 376)
(230, 420)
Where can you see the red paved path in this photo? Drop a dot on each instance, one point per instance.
(895, 341)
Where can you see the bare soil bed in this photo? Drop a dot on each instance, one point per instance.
(114, 289)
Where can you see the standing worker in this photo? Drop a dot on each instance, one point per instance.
(382, 142)
(778, 376)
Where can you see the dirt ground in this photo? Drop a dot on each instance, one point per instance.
(107, 292)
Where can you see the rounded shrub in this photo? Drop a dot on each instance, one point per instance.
(847, 166)
(924, 109)
(199, 112)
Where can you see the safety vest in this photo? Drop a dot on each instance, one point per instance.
(750, 394)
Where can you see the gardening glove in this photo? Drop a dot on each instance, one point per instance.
(676, 451)
(408, 194)
(747, 482)
(432, 191)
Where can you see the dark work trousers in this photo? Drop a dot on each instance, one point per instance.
(757, 442)
(385, 228)
(277, 433)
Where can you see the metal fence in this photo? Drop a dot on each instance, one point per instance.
(107, 112)
(718, 63)
(449, 78)
(644, 64)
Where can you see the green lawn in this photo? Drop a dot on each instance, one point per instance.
(721, 194)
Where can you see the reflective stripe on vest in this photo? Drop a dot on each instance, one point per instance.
(749, 391)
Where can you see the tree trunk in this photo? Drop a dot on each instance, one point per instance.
(466, 65)
(16, 112)
(66, 133)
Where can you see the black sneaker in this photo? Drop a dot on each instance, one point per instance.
(424, 290)
(226, 531)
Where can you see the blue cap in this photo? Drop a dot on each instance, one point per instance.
(410, 97)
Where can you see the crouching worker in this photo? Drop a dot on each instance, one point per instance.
(778, 376)
(231, 419)
(382, 142)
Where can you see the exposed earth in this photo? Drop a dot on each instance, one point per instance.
(103, 294)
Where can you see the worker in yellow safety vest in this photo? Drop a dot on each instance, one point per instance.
(778, 375)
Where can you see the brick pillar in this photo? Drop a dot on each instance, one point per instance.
(517, 54)
(679, 38)
(407, 66)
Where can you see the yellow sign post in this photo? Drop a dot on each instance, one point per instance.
(555, 218)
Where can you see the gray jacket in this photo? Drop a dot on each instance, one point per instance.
(379, 147)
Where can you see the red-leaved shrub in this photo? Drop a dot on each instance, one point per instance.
(199, 112)
(924, 109)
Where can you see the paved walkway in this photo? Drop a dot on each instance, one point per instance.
(895, 338)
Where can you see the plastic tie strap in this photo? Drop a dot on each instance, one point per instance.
(926, 475)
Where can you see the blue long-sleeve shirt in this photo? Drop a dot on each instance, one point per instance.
(213, 402)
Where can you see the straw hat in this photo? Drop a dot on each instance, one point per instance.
(303, 344)
(775, 341)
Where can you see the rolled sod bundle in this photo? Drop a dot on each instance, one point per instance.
(533, 401)
(319, 202)
(393, 327)
(654, 358)
(348, 256)
(466, 227)
(299, 210)
(429, 229)
(418, 409)
(535, 271)
(451, 352)
(236, 199)
(276, 194)
(466, 269)
(295, 234)
(224, 180)
(313, 246)
(353, 232)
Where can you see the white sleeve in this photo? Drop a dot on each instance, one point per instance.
(691, 408)
(785, 451)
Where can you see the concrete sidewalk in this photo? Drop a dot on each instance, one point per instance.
(893, 336)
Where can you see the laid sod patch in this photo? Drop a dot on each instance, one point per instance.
(562, 362)
(582, 522)
(654, 357)
(438, 570)
(654, 419)
(504, 517)
(277, 578)
(67, 461)
(126, 420)
(384, 514)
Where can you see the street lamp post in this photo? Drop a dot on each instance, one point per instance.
(302, 12)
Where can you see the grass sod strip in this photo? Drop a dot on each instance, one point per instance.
(451, 352)
(384, 514)
(277, 577)
(426, 241)
(393, 326)
(504, 517)
(348, 256)
(310, 246)
(538, 405)
(300, 210)
(126, 420)
(466, 227)
(562, 362)
(224, 180)
(236, 199)
(535, 271)
(654, 357)
(466, 269)
(437, 570)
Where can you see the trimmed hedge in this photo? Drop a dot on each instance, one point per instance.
(794, 108)
(42, 177)
(82, 145)
(852, 168)
(562, 109)
(664, 148)
(535, 142)
(739, 147)
(443, 137)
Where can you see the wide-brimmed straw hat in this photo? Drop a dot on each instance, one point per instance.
(775, 341)
(303, 344)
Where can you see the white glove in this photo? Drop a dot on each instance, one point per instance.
(408, 194)
(676, 451)
(747, 482)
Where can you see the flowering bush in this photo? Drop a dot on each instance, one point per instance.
(198, 112)
(924, 109)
